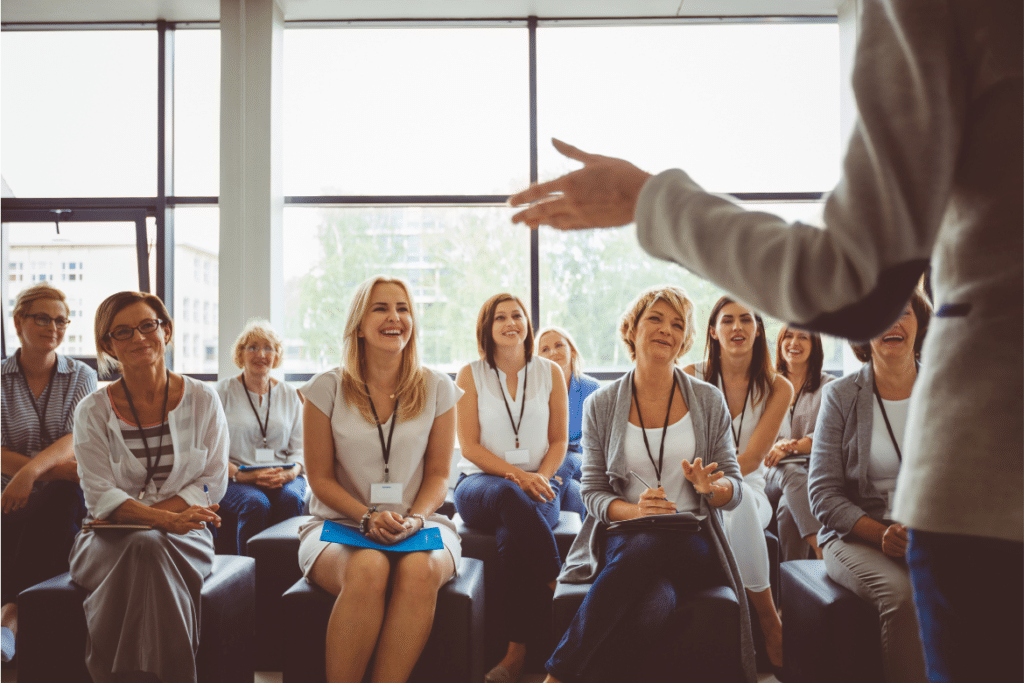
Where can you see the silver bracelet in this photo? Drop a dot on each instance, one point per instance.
(365, 521)
(421, 518)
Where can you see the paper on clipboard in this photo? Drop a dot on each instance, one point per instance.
(424, 539)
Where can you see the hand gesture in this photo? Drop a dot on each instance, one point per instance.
(19, 488)
(602, 194)
(194, 517)
(703, 478)
(894, 540)
(387, 527)
(534, 484)
(653, 502)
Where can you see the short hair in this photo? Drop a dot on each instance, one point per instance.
(575, 359)
(485, 323)
(108, 310)
(761, 371)
(922, 311)
(258, 329)
(412, 379)
(40, 292)
(673, 296)
(814, 361)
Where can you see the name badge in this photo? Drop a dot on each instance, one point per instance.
(385, 493)
(517, 456)
(888, 504)
(264, 455)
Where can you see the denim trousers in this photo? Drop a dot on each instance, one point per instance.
(969, 594)
(258, 508)
(526, 545)
(646, 576)
(37, 538)
(572, 498)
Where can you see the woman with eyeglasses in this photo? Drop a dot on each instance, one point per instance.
(265, 421)
(42, 503)
(152, 451)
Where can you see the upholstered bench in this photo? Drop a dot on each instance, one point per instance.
(828, 632)
(52, 632)
(454, 651)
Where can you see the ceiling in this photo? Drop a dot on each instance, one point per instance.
(64, 11)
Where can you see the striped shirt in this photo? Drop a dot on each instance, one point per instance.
(161, 446)
(20, 427)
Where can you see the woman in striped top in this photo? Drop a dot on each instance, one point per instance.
(42, 504)
(152, 450)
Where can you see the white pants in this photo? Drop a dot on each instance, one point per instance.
(744, 527)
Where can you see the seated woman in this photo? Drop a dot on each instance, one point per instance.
(558, 346)
(798, 358)
(42, 503)
(739, 363)
(152, 449)
(380, 418)
(657, 426)
(855, 460)
(513, 435)
(265, 420)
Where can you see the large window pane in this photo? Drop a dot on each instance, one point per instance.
(588, 278)
(741, 107)
(196, 288)
(79, 113)
(454, 258)
(196, 113)
(405, 111)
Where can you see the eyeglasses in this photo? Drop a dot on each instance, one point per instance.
(256, 349)
(124, 332)
(43, 320)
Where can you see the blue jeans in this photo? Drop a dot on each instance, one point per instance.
(646, 575)
(526, 544)
(969, 593)
(259, 508)
(572, 498)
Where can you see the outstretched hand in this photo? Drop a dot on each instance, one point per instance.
(602, 194)
(703, 478)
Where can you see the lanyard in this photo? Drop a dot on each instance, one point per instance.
(501, 387)
(150, 471)
(792, 408)
(48, 391)
(737, 434)
(385, 448)
(664, 430)
(892, 437)
(263, 427)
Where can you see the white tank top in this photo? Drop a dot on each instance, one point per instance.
(496, 433)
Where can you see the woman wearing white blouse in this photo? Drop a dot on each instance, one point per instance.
(381, 418)
(513, 430)
(265, 419)
(855, 460)
(152, 449)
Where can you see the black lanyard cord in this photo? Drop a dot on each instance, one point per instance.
(48, 392)
(792, 408)
(385, 448)
(892, 436)
(664, 430)
(263, 427)
(522, 407)
(743, 413)
(150, 470)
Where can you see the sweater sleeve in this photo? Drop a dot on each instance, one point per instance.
(882, 220)
(92, 451)
(826, 479)
(596, 488)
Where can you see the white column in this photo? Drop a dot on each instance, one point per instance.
(251, 194)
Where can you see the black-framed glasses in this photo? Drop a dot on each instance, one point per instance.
(43, 320)
(124, 332)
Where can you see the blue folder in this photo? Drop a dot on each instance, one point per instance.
(424, 539)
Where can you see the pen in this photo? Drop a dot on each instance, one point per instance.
(206, 490)
(640, 479)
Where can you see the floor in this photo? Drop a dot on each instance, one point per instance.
(10, 676)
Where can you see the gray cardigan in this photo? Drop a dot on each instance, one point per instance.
(837, 482)
(605, 478)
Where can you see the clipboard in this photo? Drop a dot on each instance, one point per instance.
(101, 525)
(425, 539)
(683, 522)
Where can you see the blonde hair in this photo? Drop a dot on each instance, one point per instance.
(411, 392)
(41, 292)
(108, 309)
(575, 359)
(671, 295)
(258, 329)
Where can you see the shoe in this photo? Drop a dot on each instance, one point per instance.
(7, 643)
(500, 674)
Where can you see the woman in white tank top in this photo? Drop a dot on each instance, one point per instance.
(739, 363)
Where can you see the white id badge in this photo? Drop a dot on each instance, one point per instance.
(888, 504)
(385, 493)
(518, 456)
(264, 455)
